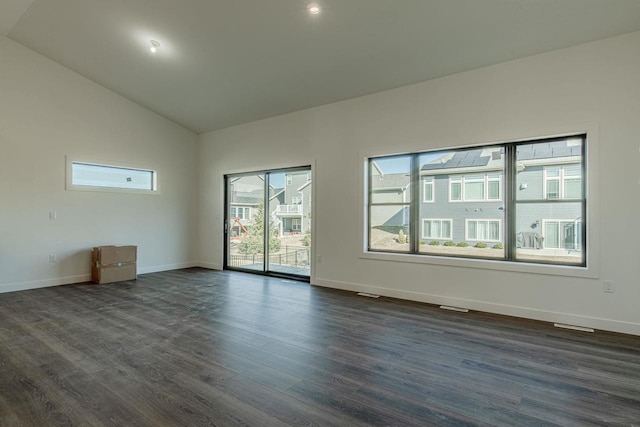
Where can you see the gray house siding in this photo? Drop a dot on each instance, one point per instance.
(457, 212)
(531, 217)
(297, 203)
(530, 183)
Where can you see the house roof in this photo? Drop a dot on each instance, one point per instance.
(390, 181)
(254, 197)
(553, 149)
(303, 186)
(275, 192)
(482, 158)
(489, 158)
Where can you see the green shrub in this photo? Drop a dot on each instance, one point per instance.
(401, 237)
(481, 245)
(422, 242)
(449, 243)
(462, 244)
(434, 243)
(306, 240)
(498, 246)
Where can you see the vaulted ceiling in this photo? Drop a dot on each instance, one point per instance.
(227, 62)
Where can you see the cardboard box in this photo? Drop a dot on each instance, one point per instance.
(113, 263)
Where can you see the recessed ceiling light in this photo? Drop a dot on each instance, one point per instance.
(154, 46)
(313, 8)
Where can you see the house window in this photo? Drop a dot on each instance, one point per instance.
(475, 188)
(296, 224)
(390, 197)
(485, 230)
(563, 182)
(102, 177)
(561, 234)
(296, 200)
(428, 190)
(289, 179)
(436, 229)
(545, 179)
(240, 212)
(455, 189)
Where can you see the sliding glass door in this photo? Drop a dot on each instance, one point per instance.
(245, 227)
(268, 222)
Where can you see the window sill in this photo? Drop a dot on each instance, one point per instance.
(487, 264)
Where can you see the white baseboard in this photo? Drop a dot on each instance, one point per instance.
(81, 278)
(508, 310)
(210, 265)
(167, 267)
(44, 283)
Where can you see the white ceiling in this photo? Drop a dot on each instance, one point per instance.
(226, 62)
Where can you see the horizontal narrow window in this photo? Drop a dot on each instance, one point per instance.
(111, 177)
(518, 201)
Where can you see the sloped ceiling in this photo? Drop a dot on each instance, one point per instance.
(226, 62)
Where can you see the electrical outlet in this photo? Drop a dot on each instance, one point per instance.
(609, 286)
(53, 215)
(52, 258)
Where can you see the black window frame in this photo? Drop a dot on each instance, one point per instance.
(509, 200)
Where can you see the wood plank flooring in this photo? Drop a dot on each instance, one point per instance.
(202, 348)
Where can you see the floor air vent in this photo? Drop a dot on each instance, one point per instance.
(573, 327)
(448, 307)
(364, 294)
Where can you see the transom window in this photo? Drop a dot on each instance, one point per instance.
(517, 201)
(105, 177)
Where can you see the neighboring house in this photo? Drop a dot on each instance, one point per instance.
(552, 171)
(294, 214)
(246, 195)
(393, 188)
(462, 196)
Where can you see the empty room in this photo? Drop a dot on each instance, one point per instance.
(319, 212)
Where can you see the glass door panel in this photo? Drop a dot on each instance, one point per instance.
(268, 224)
(290, 222)
(245, 229)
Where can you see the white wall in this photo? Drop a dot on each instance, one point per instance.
(48, 112)
(594, 86)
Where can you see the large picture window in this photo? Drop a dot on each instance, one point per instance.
(519, 201)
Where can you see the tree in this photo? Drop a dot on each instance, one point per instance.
(306, 240)
(253, 243)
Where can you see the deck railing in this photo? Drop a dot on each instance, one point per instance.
(287, 256)
(289, 209)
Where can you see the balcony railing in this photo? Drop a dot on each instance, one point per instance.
(286, 257)
(289, 209)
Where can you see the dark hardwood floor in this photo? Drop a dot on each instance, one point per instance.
(197, 347)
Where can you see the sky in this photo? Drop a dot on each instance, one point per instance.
(399, 164)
